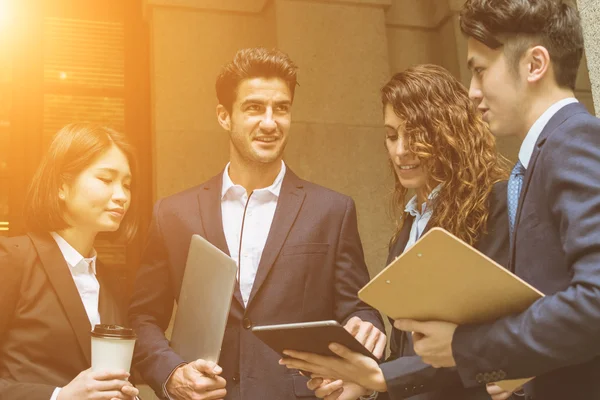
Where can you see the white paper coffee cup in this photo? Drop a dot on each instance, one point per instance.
(112, 348)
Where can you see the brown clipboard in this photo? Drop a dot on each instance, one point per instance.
(442, 278)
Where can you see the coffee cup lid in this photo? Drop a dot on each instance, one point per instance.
(113, 331)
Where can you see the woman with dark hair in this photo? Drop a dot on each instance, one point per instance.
(52, 292)
(440, 149)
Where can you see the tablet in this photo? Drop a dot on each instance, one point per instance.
(204, 300)
(310, 337)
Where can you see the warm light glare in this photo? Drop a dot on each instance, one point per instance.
(6, 13)
(62, 75)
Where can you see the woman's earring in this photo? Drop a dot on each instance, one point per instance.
(61, 196)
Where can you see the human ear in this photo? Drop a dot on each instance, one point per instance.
(538, 63)
(223, 117)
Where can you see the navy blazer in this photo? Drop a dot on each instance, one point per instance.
(557, 250)
(311, 269)
(44, 329)
(406, 375)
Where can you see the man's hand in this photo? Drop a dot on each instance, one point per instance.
(432, 341)
(198, 380)
(336, 390)
(498, 393)
(348, 367)
(369, 336)
(99, 386)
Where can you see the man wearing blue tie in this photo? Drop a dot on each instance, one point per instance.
(524, 56)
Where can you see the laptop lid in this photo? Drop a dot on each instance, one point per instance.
(204, 301)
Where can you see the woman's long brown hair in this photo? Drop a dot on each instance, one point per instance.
(446, 132)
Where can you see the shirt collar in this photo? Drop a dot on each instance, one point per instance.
(536, 129)
(413, 207)
(274, 188)
(72, 256)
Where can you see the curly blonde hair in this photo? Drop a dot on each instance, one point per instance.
(445, 131)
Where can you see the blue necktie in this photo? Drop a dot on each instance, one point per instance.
(515, 183)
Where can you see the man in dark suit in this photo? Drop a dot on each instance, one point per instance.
(297, 246)
(524, 56)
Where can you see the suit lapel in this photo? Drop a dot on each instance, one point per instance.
(209, 201)
(400, 244)
(61, 279)
(557, 119)
(402, 239)
(524, 188)
(288, 206)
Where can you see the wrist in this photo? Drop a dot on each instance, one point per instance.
(377, 381)
(170, 382)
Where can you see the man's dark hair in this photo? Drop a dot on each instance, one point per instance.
(257, 62)
(520, 24)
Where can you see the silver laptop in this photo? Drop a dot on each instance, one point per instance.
(203, 307)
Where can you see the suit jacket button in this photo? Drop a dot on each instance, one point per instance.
(501, 374)
(247, 323)
(487, 378)
(236, 377)
(494, 376)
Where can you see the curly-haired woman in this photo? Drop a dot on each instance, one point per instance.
(440, 149)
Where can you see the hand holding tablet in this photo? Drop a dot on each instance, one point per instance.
(325, 349)
(309, 337)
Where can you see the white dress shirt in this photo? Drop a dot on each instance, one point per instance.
(536, 129)
(256, 213)
(421, 217)
(83, 271)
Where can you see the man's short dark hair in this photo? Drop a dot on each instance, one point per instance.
(520, 24)
(257, 62)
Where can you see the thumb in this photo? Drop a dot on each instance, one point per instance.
(207, 367)
(314, 383)
(410, 325)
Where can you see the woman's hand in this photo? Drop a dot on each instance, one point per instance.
(349, 366)
(108, 385)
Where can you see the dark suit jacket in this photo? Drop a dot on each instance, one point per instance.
(311, 269)
(557, 250)
(405, 373)
(44, 329)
